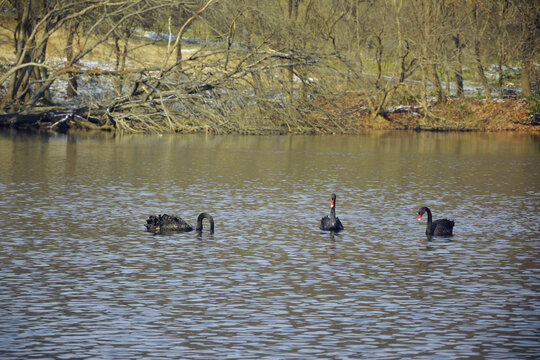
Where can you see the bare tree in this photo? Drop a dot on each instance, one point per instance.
(502, 13)
(458, 72)
(479, 25)
(71, 29)
(529, 14)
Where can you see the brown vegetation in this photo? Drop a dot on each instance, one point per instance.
(290, 66)
(508, 114)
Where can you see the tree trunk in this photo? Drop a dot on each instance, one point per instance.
(117, 52)
(480, 71)
(19, 85)
(29, 50)
(503, 7)
(72, 80)
(439, 95)
(179, 48)
(293, 16)
(459, 66)
(526, 67)
(501, 77)
(530, 20)
(478, 31)
(42, 73)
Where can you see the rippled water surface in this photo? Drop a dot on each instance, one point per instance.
(80, 278)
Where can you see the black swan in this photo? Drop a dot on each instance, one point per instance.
(169, 224)
(439, 227)
(331, 222)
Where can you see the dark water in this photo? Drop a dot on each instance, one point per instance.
(80, 278)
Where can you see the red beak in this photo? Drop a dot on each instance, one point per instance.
(419, 217)
(331, 203)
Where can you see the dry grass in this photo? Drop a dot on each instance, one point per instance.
(142, 53)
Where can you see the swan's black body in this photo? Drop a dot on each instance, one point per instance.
(170, 224)
(331, 223)
(439, 227)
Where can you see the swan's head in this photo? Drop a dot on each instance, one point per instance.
(421, 213)
(333, 200)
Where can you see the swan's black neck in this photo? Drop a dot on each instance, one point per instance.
(333, 210)
(202, 216)
(429, 220)
(429, 217)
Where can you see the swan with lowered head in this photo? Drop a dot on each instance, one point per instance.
(169, 223)
(331, 223)
(439, 227)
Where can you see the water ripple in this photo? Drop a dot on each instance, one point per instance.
(80, 278)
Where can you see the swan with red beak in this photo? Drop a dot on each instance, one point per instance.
(331, 223)
(441, 227)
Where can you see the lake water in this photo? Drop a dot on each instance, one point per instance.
(80, 277)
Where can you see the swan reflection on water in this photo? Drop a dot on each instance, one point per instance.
(331, 247)
(430, 242)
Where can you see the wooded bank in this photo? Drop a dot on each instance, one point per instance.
(290, 66)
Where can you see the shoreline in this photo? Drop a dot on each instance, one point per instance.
(348, 118)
